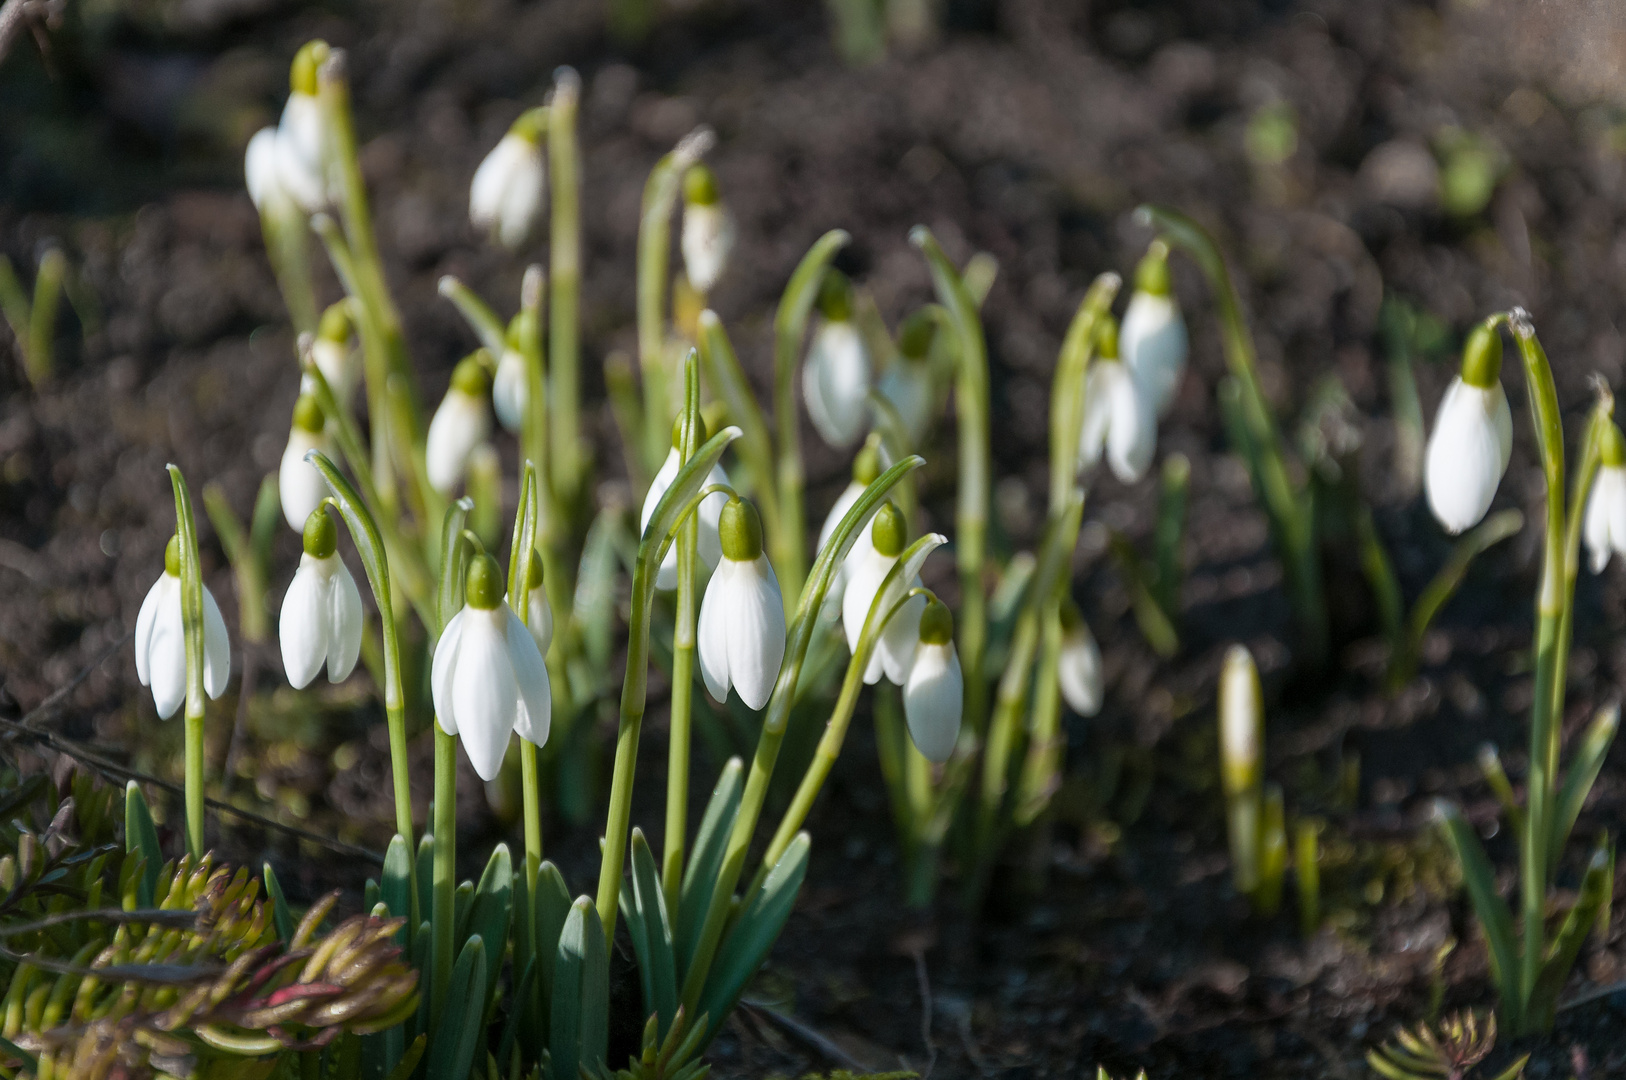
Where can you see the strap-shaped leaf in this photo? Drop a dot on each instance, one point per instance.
(409, 1060)
(490, 910)
(363, 530)
(522, 994)
(1492, 910)
(674, 504)
(657, 966)
(141, 838)
(454, 558)
(281, 917)
(462, 1023)
(1578, 781)
(395, 886)
(752, 936)
(579, 1029)
(700, 876)
(593, 605)
(552, 907)
(1596, 886)
(477, 313)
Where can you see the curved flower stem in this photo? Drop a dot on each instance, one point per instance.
(192, 631)
(456, 543)
(519, 594)
(564, 251)
(1067, 388)
(682, 711)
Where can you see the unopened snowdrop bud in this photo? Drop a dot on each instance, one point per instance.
(303, 155)
(510, 386)
(339, 364)
(742, 618)
(708, 229)
(460, 424)
(1241, 722)
(298, 481)
(1604, 527)
(865, 573)
(1473, 436)
(321, 614)
(1079, 665)
(538, 612)
(488, 679)
(160, 640)
(1118, 416)
(505, 198)
(907, 383)
(711, 509)
(933, 697)
(836, 374)
(1154, 340)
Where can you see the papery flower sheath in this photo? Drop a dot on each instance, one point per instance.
(934, 694)
(160, 640)
(741, 633)
(321, 620)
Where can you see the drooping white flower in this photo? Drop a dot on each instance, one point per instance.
(866, 467)
(304, 156)
(1472, 439)
(538, 612)
(160, 640)
(510, 390)
(1241, 722)
(299, 483)
(1153, 339)
(488, 679)
(741, 633)
(866, 570)
(933, 696)
(1604, 527)
(907, 382)
(263, 173)
(836, 375)
(462, 422)
(708, 229)
(711, 509)
(1079, 667)
(339, 364)
(506, 196)
(1119, 419)
(321, 620)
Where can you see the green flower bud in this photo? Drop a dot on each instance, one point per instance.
(835, 296)
(172, 556)
(321, 536)
(335, 323)
(484, 583)
(308, 414)
(936, 624)
(469, 377)
(916, 333)
(1482, 357)
(740, 531)
(888, 532)
(307, 62)
(700, 186)
(1152, 275)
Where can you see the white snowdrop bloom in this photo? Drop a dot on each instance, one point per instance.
(160, 640)
(865, 572)
(836, 373)
(462, 422)
(299, 483)
(304, 158)
(506, 196)
(510, 390)
(339, 364)
(1472, 439)
(1118, 417)
(1079, 666)
(711, 509)
(1604, 527)
(866, 467)
(934, 695)
(263, 174)
(1153, 340)
(1241, 721)
(321, 618)
(907, 382)
(538, 612)
(488, 679)
(708, 229)
(741, 633)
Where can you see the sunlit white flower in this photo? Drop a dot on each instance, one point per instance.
(321, 618)
(907, 382)
(933, 696)
(711, 509)
(1604, 527)
(1472, 439)
(708, 229)
(304, 156)
(1119, 419)
(866, 570)
(160, 640)
(741, 633)
(488, 679)
(339, 364)
(510, 390)
(836, 375)
(1241, 722)
(1153, 339)
(866, 467)
(538, 612)
(1079, 665)
(505, 198)
(263, 174)
(299, 483)
(462, 422)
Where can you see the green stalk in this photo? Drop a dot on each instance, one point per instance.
(682, 709)
(519, 592)
(443, 909)
(287, 246)
(42, 319)
(1067, 388)
(192, 628)
(1047, 746)
(564, 389)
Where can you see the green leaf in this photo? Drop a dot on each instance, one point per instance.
(594, 604)
(686, 484)
(488, 915)
(579, 1029)
(656, 965)
(454, 557)
(462, 1023)
(1578, 781)
(1595, 890)
(522, 995)
(141, 838)
(551, 905)
(751, 938)
(1494, 917)
(395, 889)
(363, 530)
(477, 313)
(700, 876)
(425, 868)
(280, 914)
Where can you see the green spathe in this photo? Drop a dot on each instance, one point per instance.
(335, 325)
(307, 62)
(867, 465)
(1106, 340)
(1612, 447)
(740, 531)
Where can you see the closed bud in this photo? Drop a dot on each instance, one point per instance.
(708, 229)
(1079, 665)
(1241, 722)
(1153, 341)
(299, 483)
(461, 423)
(506, 196)
(934, 692)
(1468, 450)
(836, 375)
(741, 633)
(1119, 418)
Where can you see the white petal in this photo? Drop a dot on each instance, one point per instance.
(166, 654)
(340, 366)
(864, 577)
(711, 631)
(933, 700)
(1092, 433)
(484, 690)
(165, 587)
(302, 629)
(506, 195)
(531, 676)
(1079, 672)
(1132, 428)
(1616, 504)
(261, 172)
(299, 483)
(1154, 344)
(346, 620)
(539, 619)
(844, 503)
(836, 382)
(907, 384)
(510, 390)
(459, 425)
(216, 647)
(440, 673)
(708, 236)
(1595, 525)
(896, 649)
(667, 576)
(1466, 455)
(756, 631)
(301, 151)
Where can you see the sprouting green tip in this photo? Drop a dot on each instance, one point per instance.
(172, 556)
(1106, 340)
(740, 530)
(700, 436)
(936, 624)
(308, 414)
(1612, 447)
(307, 61)
(483, 583)
(335, 324)
(867, 465)
(321, 536)
(530, 124)
(916, 333)
(888, 531)
(533, 572)
(1152, 275)
(469, 377)
(521, 328)
(1482, 357)
(835, 296)
(700, 186)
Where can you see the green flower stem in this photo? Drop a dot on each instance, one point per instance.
(287, 246)
(192, 629)
(477, 313)
(246, 552)
(1585, 473)
(755, 447)
(519, 594)
(787, 544)
(1041, 772)
(564, 389)
(683, 643)
(1067, 389)
(443, 889)
(42, 317)
(975, 468)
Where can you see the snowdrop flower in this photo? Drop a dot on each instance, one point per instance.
(1472, 439)
(339, 364)
(1118, 416)
(460, 424)
(708, 229)
(1604, 527)
(303, 154)
(907, 382)
(865, 572)
(505, 198)
(866, 467)
(742, 618)
(1079, 669)
(1153, 338)
(538, 612)
(262, 170)
(711, 510)
(510, 390)
(298, 482)
(1241, 722)
(933, 697)
(488, 679)
(836, 374)
(321, 613)
(160, 640)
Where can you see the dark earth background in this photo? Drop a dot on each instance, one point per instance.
(1309, 136)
